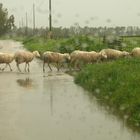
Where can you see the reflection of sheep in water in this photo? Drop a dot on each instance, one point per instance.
(55, 57)
(6, 58)
(27, 83)
(25, 57)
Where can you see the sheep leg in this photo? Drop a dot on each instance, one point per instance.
(77, 65)
(43, 66)
(49, 66)
(4, 67)
(28, 67)
(25, 67)
(58, 67)
(18, 67)
(71, 65)
(10, 67)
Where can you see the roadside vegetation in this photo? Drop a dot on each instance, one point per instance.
(115, 83)
(86, 43)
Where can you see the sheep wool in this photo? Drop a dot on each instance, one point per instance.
(135, 52)
(25, 57)
(114, 54)
(6, 58)
(54, 57)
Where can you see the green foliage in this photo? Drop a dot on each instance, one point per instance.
(117, 83)
(131, 42)
(86, 43)
(6, 23)
(41, 44)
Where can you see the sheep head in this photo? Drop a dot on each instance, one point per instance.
(67, 57)
(36, 54)
(103, 55)
(125, 54)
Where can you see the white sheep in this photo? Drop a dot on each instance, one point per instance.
(25, 57)
(114, 54)
(54, 57)
(97, 56)
(85, 57)
(6, 58)
(78, 55)
(135, 52)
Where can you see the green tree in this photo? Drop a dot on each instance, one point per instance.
(6, 23)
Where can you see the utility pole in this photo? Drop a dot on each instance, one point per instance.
(22, 24)
(19, 24)
(33, 19)
(50, 20)
(26, 24)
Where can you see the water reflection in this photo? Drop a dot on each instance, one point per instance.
(26, 83)
(113, 113)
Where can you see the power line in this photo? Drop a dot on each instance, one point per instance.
(26, 20)
(50, 15)
(50, 20)
(33, 18)
(26, 23)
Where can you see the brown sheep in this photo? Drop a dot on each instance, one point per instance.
(6, 58)
(25, 57)
(85, 57)
(54, 57)
(114, 54)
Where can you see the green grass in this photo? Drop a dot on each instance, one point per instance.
(86, 43)
(117, 83)
(131, 42)
(41, 44)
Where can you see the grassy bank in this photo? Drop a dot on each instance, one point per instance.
(117, 83)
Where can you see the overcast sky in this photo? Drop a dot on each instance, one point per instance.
(85, 12)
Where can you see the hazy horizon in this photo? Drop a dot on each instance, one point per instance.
(66, 13)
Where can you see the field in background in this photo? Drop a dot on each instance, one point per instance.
(86, 43)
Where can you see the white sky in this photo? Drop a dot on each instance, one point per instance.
(85, 12)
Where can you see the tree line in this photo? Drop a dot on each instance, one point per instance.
(6, 22)
(8, 27)
(63, 32)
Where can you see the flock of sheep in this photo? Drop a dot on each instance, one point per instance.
(19, 57)
(75, 58)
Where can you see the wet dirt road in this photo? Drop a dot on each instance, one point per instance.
(34, 106)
